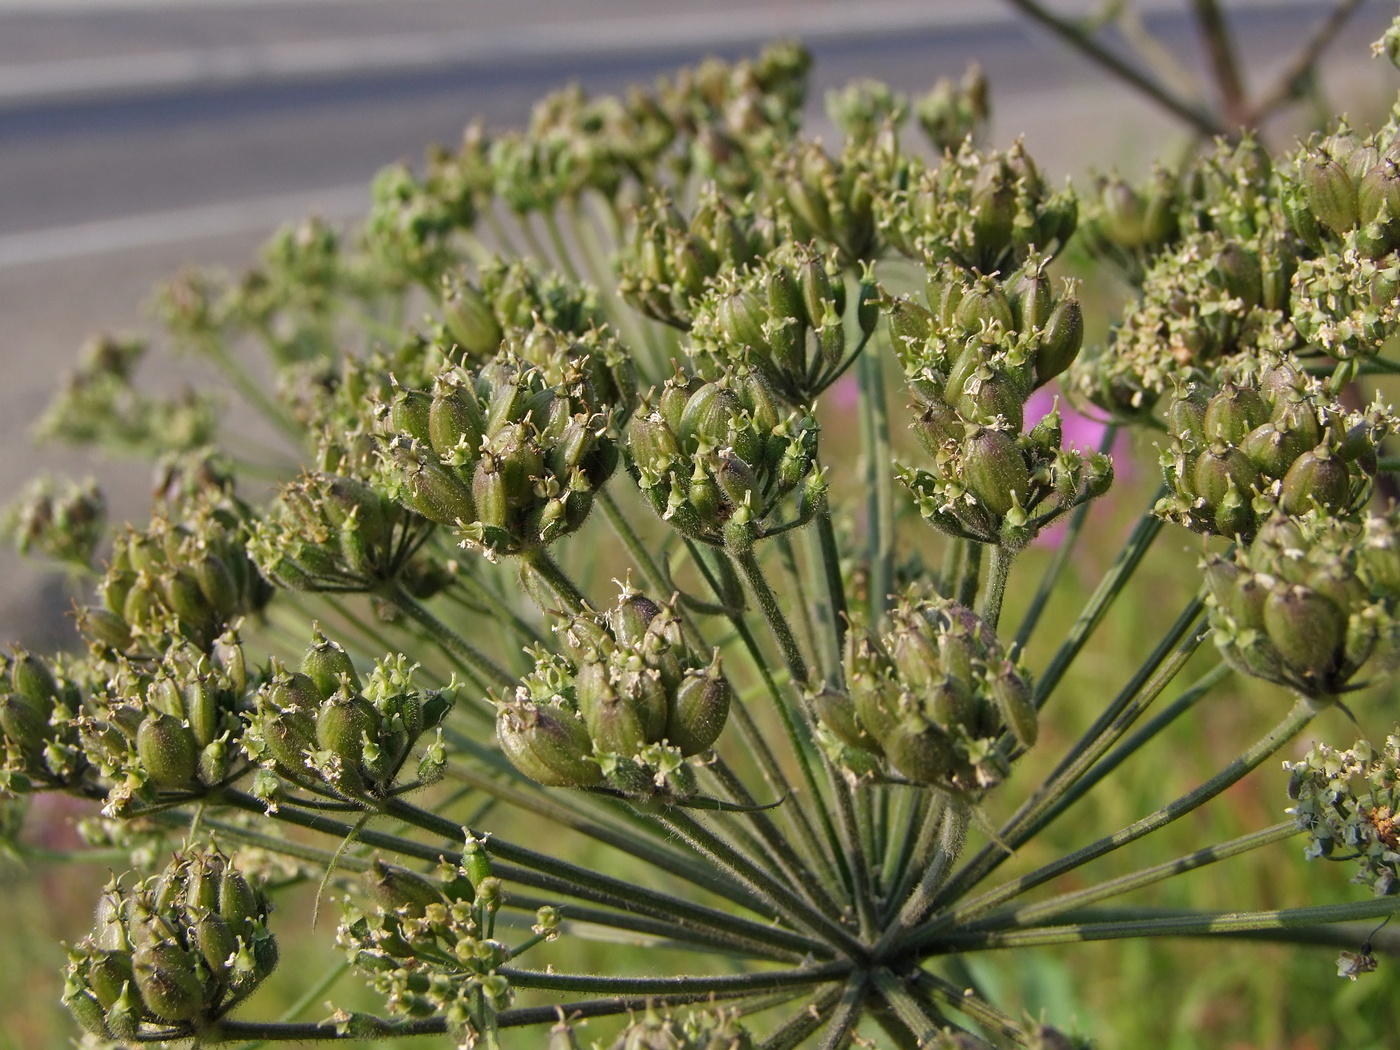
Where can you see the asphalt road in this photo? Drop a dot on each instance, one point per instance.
(136, 139)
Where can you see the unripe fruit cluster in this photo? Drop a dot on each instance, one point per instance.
(171, 954)
(985, 211)
(929, 698)
(169, 727)
(1311, 603)
(668, 261)
(65, 524)
(183, 579)
(1346, 803)
(784, 319)
(320, 723)
(41, 747)
(974, 359)
(1348, 186)
(953, 113)
(623, 684)
(716, 458)
(508, 457)
(832, 200)
(1268, 437)
(335, 532)
(428, 942)
(506, 297)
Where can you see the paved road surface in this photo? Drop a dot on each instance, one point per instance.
(137, 138)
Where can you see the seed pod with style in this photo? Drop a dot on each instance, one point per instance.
(931, 695)
(172, 954)
(1310, 603)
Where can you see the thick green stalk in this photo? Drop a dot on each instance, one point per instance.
(795, 1030)
(623, 839)
(998, 570)
(555, 579)
(879, 503)
(451, 641)
(952, 830)
(1166, 661)
(1033, 914)
(972, 1006)
(747, 983)
(846, 1016)
(1098, 605)
(1073, 530)
(516, 864)
(782, 897)
(1268, 745)
(1183, 703)
(908, 1010)
(566, 259)
(969, 574)
(1215, 923)
(831, 601)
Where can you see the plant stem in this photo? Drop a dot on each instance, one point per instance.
(794, 1031)
(1036, 913)
(969, 574)
(879, 502)
(952, 829)
(1098, 605)
(768, 604)
(747, 983)
(782, 897)
(974, 1007)
(909, 1011)
(832, 610)
(847, 1013)
(1073, 530)
(1220, 50)
(1204, 123)
(998, 570)
(1216, 923)
(450, 640)
(566, 261)
(1302, 713)
(555, 579)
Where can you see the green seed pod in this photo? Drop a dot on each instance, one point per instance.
(1239, 269)
(328, 666)
(202, 710)
(1307, 630)
(491, 495)
(709, 416)
(476, 862)
(1223, 479)
(238, 901)
(868, 305)
(1317, 479)
(699, 710)
(167, 980)
(343, 723)
(32, 678)
(1015, 704)
(549, 745)
(1029, 294)
(1330, 192)
(652, 444)
(993, 469)
(1123, 213)
(290, 736)
(167, 751)
(938, 427)
(1378, 193)
(455, 421)
(24, 723)
(400, 890)
(469, 319)
(836, 711)
(295, 691)
(1232, 413)
(920, 751)
(108, 973)
(434, 491)
(86, 1010)
(104, 626)
(741, 317)
(614, 726)
(631, 617)
(910, 325)
(409, 413)
(1061, 341)
(216, 942)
